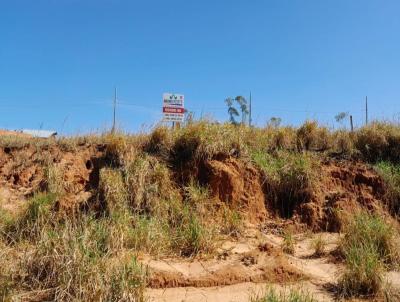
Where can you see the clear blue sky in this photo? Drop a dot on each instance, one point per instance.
(60, 60)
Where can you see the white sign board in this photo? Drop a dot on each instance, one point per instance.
(173, 107)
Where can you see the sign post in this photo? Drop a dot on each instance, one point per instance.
(173, 108)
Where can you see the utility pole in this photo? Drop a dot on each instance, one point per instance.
(250, 112)
(366, 110)
(115, 105)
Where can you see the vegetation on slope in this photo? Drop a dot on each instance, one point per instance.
(149, 200)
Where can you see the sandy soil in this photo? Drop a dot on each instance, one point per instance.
(196, 280)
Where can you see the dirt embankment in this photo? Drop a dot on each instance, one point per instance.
(342, 186)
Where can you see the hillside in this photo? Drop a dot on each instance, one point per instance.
(202, 213)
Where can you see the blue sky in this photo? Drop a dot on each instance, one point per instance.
(60, 60)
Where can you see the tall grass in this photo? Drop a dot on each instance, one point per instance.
(290, 178)
(369, 247)
(66, 259)
(391, 175)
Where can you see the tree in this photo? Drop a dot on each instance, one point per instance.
(234, 113)
(341, 116)
(274, 122)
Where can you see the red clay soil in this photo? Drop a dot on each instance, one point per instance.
(238, 184)
(23, 172)
(343, 186)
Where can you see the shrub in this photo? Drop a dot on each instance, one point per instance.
(148, 183)
(283, 138)
(192, 236)
(54, 179)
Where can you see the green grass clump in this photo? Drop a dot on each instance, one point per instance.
(291, 295)
(364, 271)
(391, 175)
(37, 215)
(368, 247)
(372, 230)
(288, 244)
(290, 178)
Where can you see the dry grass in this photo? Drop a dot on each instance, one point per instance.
(68, 259)
(286, 295)
(318, 244)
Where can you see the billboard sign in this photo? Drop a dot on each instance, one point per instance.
(173, 107)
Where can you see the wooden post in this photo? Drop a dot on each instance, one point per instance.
(351, 123)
